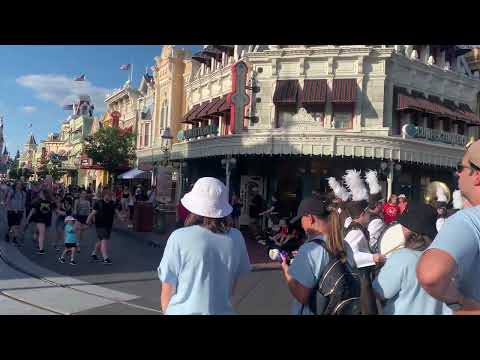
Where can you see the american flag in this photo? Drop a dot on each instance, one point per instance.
(80, 78)
(68, 107)
(125, 67)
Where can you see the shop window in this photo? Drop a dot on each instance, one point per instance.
(146, 134)
(317, 112)
(461, 128)
(343, 116)
(417, 119)
(446, 125)
(430, 123)
(285, 114)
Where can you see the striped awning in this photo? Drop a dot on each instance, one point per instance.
(212, 108)
(434, 106)
(200, 112)
(223, 105)
(188, 115)
(315, 91)
(344, 90)
(286, 92)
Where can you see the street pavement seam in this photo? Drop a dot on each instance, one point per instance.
(57, 285)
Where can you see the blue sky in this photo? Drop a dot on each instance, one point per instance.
(36, 80)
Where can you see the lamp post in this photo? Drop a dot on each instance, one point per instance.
(389, 167)
(166, 144)
(228, 163)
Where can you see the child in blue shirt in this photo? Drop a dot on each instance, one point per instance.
(71, 230)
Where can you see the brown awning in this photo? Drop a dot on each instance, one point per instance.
(314, 91)
(344, 90)
(286, 92)
(204, 110)
(188, 115)
(212, 109)
(447, 108)
(196, 116)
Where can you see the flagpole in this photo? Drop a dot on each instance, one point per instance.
(131, 73)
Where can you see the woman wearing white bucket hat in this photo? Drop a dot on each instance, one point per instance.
(203, 261)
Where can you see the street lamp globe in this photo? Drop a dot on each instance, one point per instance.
(233, 161)
(383, 165)
(398, 167)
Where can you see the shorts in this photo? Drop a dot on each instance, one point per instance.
(14, 218)
(82, 219)
(70, 245)
(104, 233)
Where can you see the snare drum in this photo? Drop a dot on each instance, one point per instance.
(391, 239)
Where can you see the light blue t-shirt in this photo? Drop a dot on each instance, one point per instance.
(203, 266)
(70, 236)
(398, 284)
(460, 237)
(307, 268)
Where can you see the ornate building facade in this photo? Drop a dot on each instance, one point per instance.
(294, 115)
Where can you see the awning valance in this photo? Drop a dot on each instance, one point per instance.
(286, 92)
(315, 91)
(135, 174)
(344, 90)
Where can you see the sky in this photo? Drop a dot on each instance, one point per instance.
(36, 81)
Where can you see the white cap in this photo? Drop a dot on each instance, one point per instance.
(208, 198)
(402, 196)
(69, 218)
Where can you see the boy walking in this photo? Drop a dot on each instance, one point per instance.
(71, 229)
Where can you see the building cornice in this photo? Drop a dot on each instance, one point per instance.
(320, 144)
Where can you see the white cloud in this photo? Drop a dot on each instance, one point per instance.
(63, 90)
(29, 109)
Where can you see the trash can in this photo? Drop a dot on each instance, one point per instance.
(143, 217)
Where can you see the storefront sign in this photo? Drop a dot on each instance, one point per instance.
(197, 132)
(238, 98)
(411, 131)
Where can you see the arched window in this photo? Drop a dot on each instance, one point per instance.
(163, 115)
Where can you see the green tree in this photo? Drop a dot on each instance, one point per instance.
(53, 167)
(111, 148)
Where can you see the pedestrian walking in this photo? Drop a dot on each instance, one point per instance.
(64, 209)
(450, 268)
(81, 210)
(16, 199)
(397, 285)
(132, 199)
(104, 212)
(237, 210)
(70, 241)
(203, 261)
(41, 214)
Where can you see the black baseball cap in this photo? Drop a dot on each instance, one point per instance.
(311, 206)
(420, 218)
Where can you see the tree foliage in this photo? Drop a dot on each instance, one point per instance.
(53, 167)
(111, 148)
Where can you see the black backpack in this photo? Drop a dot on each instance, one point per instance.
(342, 290)
(338, 290)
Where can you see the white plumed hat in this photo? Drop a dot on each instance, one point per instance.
(457, 200)
(356, 185)
(339, 191)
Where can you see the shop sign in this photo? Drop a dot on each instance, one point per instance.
(411, 131)
(197, 132)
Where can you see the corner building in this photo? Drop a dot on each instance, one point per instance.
(302, 113)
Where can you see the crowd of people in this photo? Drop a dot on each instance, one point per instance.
(431, 267)
(69, 210)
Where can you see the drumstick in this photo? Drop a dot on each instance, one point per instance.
(395, 248)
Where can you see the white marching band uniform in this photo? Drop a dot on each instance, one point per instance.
(375, 228)
(358, 251)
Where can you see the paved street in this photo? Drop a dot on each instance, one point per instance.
(133, 276)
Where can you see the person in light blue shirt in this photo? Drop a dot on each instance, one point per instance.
(306, 269)
(397, 283)
(450, 269)
(203, 261)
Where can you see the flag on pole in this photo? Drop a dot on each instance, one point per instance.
(125, 67)
(80, 78)
(68, 107)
